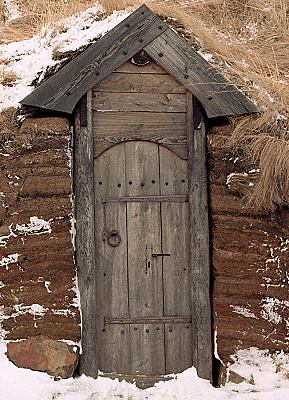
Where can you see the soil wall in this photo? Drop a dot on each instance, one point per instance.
(250, 260)
(38, 296)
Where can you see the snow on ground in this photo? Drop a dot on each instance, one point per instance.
(12, 10)
(269, 377)
(29, 59)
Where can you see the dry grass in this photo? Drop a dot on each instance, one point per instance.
(249, 40)
(7, 78)
(2, 11)
(40, 13)
(8, 128)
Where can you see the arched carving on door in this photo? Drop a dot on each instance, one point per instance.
(178, 145)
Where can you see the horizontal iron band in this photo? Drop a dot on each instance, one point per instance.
(151, 320)
(144, 199)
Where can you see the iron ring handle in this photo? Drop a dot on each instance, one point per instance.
(113, 238)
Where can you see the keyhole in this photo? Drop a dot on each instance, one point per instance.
(148, 266)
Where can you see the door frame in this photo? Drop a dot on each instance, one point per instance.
(199, 236)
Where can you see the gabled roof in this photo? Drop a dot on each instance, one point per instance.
(141, 30)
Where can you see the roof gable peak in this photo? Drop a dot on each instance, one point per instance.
(141, 30)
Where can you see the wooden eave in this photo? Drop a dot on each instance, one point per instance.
(141, 30)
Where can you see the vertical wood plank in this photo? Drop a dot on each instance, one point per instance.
(176, 267)
(115, 349)
(144, 231)
(85, 258)
(145, 271)
(112, 288)
(199, 243)
(178, 347)
(147, 357)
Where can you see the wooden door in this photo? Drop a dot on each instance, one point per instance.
(138, 132)
(143, 269)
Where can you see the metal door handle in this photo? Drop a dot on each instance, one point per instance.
(160, 254)
(113, 238)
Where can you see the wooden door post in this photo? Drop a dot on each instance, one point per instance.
(199, 240)
(85, 259)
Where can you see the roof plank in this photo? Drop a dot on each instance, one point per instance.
(218, 96)
(141, 30)
(62, 91)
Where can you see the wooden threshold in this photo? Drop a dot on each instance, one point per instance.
(141, 381)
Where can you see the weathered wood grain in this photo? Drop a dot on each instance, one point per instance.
(62, 91)
(109, 179)
(139, 83)
(85, 258)
(218, 96)
(115, 349)
(150, 68)
(176, 268)
(144, 231)
(138, 123)
(141, 30)
(199, 243)
(178, 347)
(177, 144)
(145, 272)
(148, 352)
(104, 101)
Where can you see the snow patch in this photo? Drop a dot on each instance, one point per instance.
(271, 308)
(35, 309)
(12, 10)
(65, 312)
(216, 354)
(244, 311)
(207, 56)
(268, 375)
(47, 284)
(10, 259)
(230, 176)
(266, 372)
(30, 58)
(37, 226)
(5, 238)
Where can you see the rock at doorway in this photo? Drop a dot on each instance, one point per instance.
(40, 354)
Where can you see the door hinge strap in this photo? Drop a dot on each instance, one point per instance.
(144, 199)
(150, 320)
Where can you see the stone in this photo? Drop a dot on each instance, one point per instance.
(227, 376)
(41, 354)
